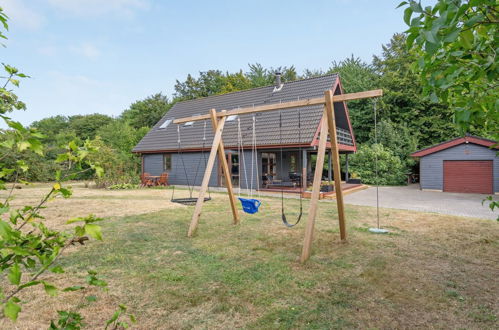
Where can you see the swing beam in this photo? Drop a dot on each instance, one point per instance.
(328, 127)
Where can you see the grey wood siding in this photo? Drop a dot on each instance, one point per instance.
(431, 166)
(153, 164)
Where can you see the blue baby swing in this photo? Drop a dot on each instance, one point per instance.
(250, 205)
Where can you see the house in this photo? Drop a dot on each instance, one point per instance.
(294, 132)
(467, 164)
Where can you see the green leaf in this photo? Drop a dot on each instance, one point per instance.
(407, 16)
(36, 146)
(15, 125)
(15, 274)
(113, 318)
(61, 158)
(11, 310)
(467, 39)
(403, 3)
(66, 193)
(23, 145)
(28, 284)
(91, 298)
(72, 145)
(49, 289)
(5, 230)
(57, 270)
(416, 7)
(14, 82)
(429, 36)
(94, 231)
(73, 288)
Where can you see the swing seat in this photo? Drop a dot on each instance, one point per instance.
(250, 205)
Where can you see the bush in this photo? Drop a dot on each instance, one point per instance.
(123, 186)
(391, 170)
(118, 168)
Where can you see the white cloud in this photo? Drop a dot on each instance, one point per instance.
(125, 8)
(87, 50)
(22, 15)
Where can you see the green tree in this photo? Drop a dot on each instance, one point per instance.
(397, 138)
(86, 126)
(121, 136)
(51, 127)
(402, 102)
(147, 112)
(456, 45)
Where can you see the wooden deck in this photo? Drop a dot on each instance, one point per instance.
(347, 188)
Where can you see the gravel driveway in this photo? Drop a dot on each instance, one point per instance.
(412, 198)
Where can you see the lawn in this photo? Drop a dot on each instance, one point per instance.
(431, 271)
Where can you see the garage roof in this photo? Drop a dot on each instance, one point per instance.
(454, 142)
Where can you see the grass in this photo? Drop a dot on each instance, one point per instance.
(432, 271)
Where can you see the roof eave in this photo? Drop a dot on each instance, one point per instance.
(453, 143)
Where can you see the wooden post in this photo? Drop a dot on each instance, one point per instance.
(336, 162)
(312, 211)
(225, 169)
(206, 179)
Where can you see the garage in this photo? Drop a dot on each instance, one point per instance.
(468, 176)
(463, 165)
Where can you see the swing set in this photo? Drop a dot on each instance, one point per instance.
(251, 205)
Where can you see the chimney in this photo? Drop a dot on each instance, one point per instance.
(277, 79)
(278, 82)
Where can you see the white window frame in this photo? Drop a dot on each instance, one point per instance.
(166, 124)
(231, 118)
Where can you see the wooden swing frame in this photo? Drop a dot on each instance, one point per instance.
(328, 127)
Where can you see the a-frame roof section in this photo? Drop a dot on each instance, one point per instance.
(343, 124)
(269, 130)
(454, 142)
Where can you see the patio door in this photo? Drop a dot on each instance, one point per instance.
(233, 164)
(269, 164)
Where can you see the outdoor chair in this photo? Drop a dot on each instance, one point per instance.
(163, 179)
(145, 180)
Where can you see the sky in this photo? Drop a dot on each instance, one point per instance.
(99, 56)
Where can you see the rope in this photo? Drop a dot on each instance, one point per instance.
(183, 163)
(241, 156)
(256, 158)
(376, 161)
(204, 156)
(283, 215)
(280, 165)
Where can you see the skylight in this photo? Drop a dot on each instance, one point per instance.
(231, 118)
(190, 123)
(166, 123)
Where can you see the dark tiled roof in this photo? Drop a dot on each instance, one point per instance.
(267, 123)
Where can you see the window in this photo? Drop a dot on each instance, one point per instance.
(293, 163)
(231, 118)
(167, 162)
(189, 123)
(166, 123)
(269, 161)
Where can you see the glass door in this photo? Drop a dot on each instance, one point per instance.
(269, 166)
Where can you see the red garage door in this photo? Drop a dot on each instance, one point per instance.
(468, 176)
